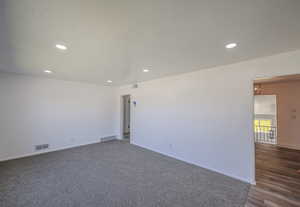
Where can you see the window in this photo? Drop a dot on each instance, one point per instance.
(262, 125)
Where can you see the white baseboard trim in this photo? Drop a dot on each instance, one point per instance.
(47, 151)
(193, 163)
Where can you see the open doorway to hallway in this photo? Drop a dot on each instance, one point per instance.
(277, 111)
(277, 142)
(126, 117)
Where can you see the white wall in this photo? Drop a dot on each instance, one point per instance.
(265, 104)
(61, 113)
(205, 117)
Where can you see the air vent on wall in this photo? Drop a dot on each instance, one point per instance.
(106, 139)
(41, 147)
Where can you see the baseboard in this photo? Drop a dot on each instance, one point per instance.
(196, 164)
(47, 151)
(288, 146)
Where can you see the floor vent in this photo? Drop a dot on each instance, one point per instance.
(106, 139)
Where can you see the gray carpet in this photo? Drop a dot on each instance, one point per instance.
(114, 174)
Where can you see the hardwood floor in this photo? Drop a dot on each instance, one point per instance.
(277, 178)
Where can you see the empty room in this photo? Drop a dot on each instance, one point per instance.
(149, 103)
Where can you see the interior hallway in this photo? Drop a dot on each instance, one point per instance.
(277, 177)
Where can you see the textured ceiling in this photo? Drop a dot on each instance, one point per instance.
(116, 39)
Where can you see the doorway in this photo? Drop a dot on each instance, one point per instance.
(126, 102)
(277, 144)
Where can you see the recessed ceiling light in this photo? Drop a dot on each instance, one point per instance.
(231, 45)
(109, 81)
(146, 70)
(48, 71)
(61, 47)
